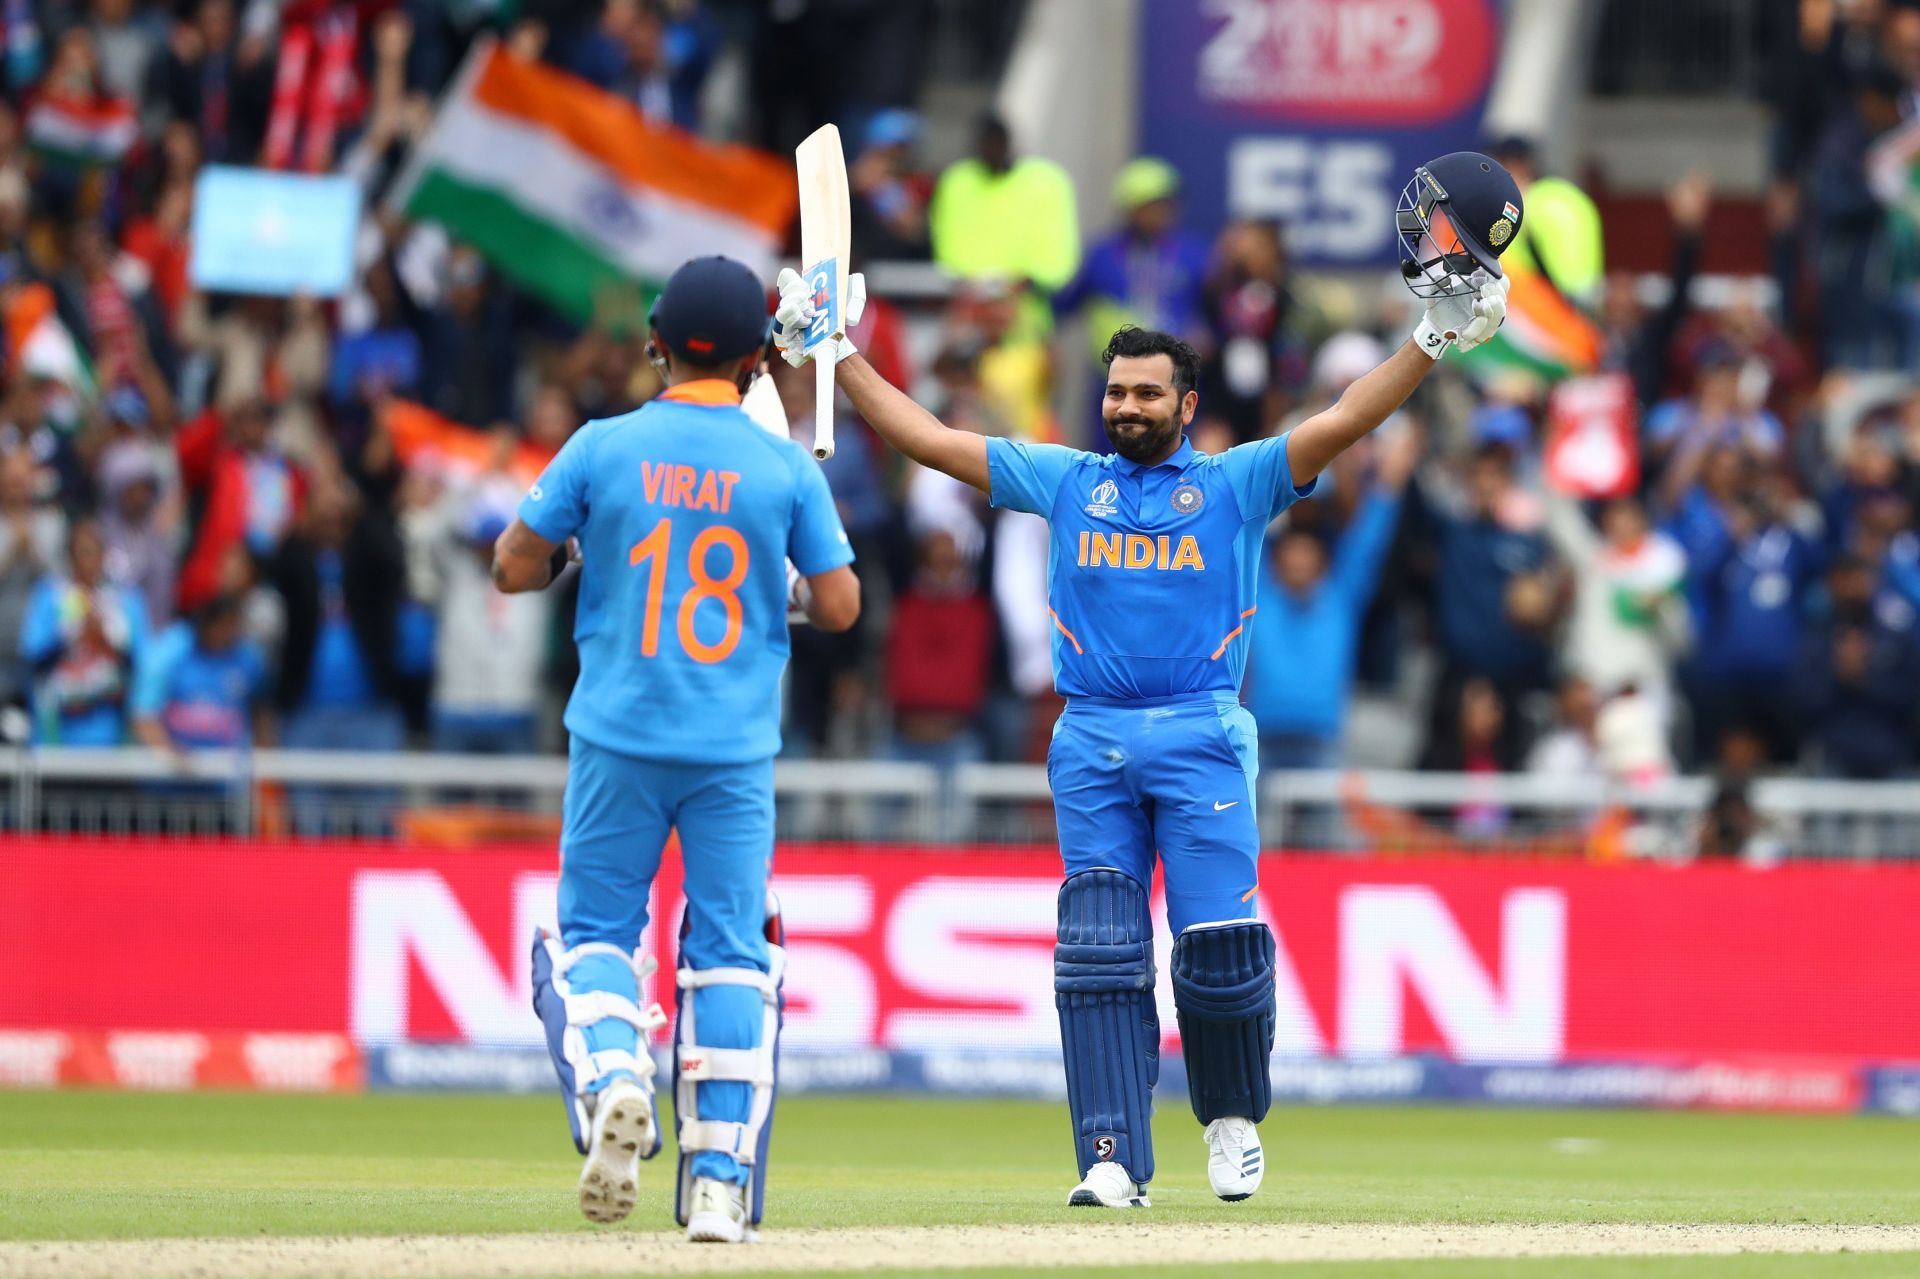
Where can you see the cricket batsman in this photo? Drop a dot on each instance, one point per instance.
(1152, 569)
(686, 513)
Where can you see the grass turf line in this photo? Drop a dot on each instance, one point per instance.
(79, 1165)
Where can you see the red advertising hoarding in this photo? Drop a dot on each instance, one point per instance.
(169, 964)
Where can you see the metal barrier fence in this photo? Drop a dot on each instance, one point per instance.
(458, 799)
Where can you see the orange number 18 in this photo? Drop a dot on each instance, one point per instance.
(653, 550)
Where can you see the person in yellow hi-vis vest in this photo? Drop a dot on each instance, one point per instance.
(1561, 237)
(1000, 218)
(1008, 229)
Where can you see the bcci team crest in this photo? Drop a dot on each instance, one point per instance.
(1188, 498)
(1105, 494)
(1502, 231)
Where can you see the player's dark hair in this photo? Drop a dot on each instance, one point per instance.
(1132, 343)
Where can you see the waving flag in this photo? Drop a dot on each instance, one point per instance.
(570, 191)
(423, 438)
(79, 130)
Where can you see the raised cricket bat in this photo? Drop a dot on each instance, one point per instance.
(826, 235)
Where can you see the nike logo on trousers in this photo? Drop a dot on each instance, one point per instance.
(1220, 807)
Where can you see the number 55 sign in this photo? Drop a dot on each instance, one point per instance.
(1312, 113)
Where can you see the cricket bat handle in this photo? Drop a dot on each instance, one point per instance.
(823, 404)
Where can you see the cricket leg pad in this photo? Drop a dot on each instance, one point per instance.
(1223, 995)
(745, 1141)
(596, 1031)
(1103, 978)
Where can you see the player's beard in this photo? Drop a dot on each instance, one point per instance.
(1141, 438)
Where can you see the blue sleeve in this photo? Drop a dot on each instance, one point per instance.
(1262, 481)
(40, 637)
(1026, 477)
(153, 673)
(556, 506)
(816, 543)
(1357, 560)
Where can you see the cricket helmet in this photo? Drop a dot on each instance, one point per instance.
(713, 310)
(1457, 216)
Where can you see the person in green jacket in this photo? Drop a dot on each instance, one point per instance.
(998, 217)
(1561, 236)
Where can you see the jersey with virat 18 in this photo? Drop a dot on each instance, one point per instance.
(682, 621)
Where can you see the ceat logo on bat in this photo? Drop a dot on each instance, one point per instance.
(825, 305)
(1361, 61)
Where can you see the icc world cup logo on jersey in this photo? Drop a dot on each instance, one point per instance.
(1187, 499)
(1104, 495)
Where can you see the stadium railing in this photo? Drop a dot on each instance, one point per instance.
(457, 799)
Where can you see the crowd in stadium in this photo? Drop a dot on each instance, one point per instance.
(209, 537)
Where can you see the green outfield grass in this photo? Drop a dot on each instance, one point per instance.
(76, 1165)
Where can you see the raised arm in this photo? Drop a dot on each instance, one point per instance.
(911, 429)
(898, 420)
(1364, 405)
(1458, 321)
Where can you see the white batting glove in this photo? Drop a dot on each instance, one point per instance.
(799, 595)
(1463, 321)
(795, 313)
(1489, 312)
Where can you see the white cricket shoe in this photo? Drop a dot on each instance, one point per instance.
(1108, 1185)
(719, 1212)
(1234, 1159)
(624, 1129)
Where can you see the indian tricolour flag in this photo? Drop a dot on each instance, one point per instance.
(1545, 334)
(570, 191)
(82, 131)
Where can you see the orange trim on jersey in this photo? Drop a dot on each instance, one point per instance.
(1234, 633)
(1248, 895)
(1064, 631)
(706, 390)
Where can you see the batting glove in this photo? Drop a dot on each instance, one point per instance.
(799, 595)
(795, 313)
(1463, 321)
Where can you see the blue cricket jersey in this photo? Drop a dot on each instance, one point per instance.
(1152, 571)
(687, 512)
